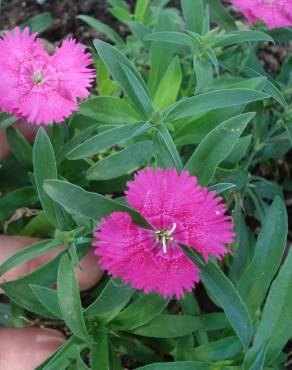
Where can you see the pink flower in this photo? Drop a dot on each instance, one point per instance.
(180, 213)
(275, 13)
(37, 86)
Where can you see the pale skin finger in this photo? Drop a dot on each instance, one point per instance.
(26, 348)
(88, 275)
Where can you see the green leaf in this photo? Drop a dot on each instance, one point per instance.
(219, 350)
(69, 298)
(122, 14)
(242, 36)
(222, 187)
(11, 202)
(6, 120)
(44, 168)
(122, 162)
(260, 359)
(215, 147)
(100, 353)
(204, 73)
(142, 95)
(108, 139)
(165, 152)
(168, 87)
(159, 65)
(185, 365)
(27, 253)
(212, 100)
(270, 85)
(19, 147)
(193, 12)
(226, 296)
(101, 109)
(101, 27)
(74, 142)
(140, 9)
(275, 327)
(268, 254)
(48, 298)
(110, 302)
(172, 326)
(39, 23)
(178, 38)
(63, 357)
(220, 15)
(92, 205)
(140, 312)
(194, 129)
(127, 76)
(17, 290)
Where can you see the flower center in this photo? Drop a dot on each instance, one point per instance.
(37, 78)
(164, 236)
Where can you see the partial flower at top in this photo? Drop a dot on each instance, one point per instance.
(37, 86)
(275, 13)
(180, 212)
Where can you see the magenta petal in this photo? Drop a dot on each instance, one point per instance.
(128, 251)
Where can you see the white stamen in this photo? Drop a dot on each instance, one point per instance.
(164, 249)
(172, 229)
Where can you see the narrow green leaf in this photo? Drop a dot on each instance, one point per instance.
(100, 108)
(63, 357)
(172, 326)
(172, 37)
(48, 298)
(275, 327)
(111, 301)
(100, 353)
(88, 204)
(185, 365)
(39, 23)
(122, 162)
(19, 146)
(227, 297)
(220, 15)
(6, 120)
(242, 36)
(165, 152)
(212, 100)
(101, 27)
(69, 298)
(140, 312)
(17, 290)
(268, 254)
(168, 87)
(44, 168)
(142, 95)
(25, 254)
(215, 147)
(74, 142)
(130, 81)
(221, 187)
(193, 12)
(159, 65)
(107, 139)
(219, 350)
(140, 9)
(260, 359)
